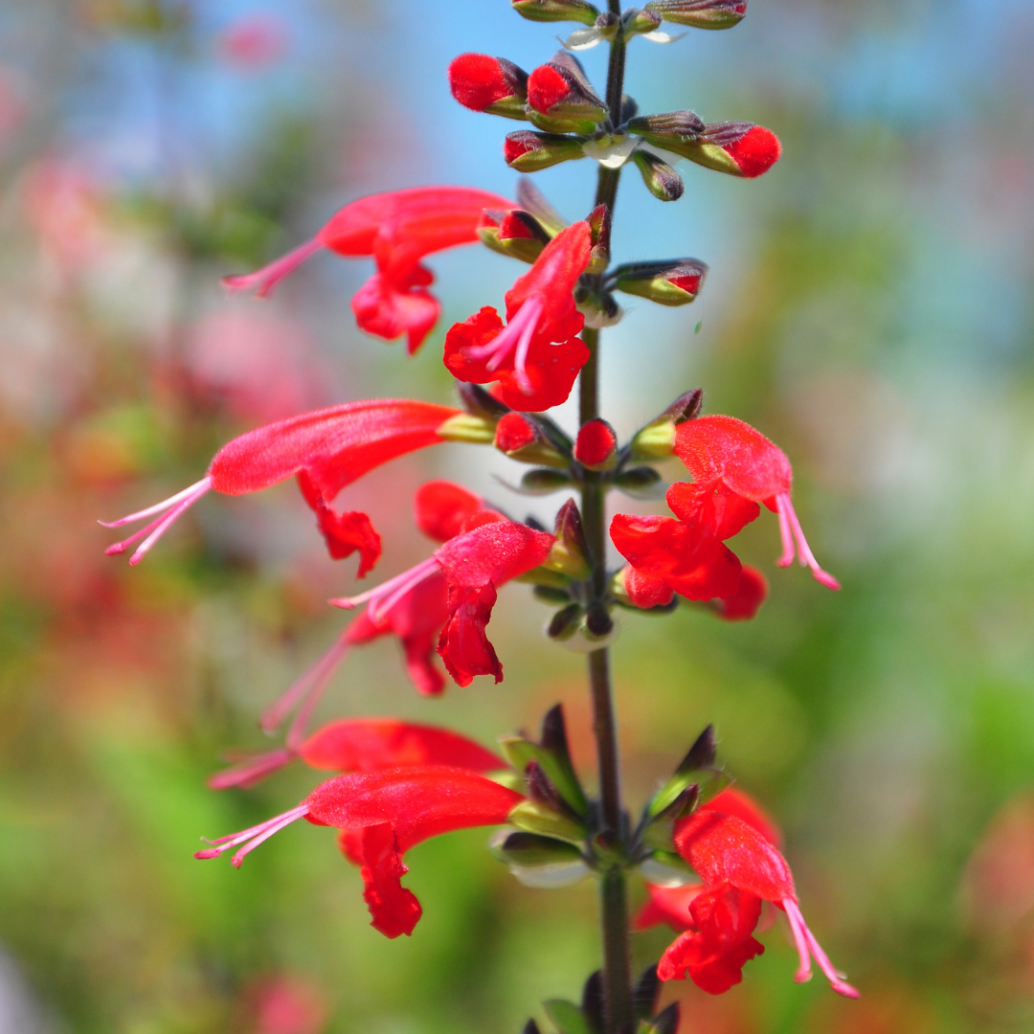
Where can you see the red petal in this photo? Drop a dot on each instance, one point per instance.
(344, 533)
(444, 508)
(393, 909)
(335, 446)
(744, 603)
(462, 643)
(476, 330)
(668, 905)
(723, 448)
(419, 802)
(365, 744)
(477, 81)
(755, 152)
(711, 506)
(546, 87)
(552, 370)
(736, 802)
(493, 554)
(723, 848)
(383, 309)
(646, 592)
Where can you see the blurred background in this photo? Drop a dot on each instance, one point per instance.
(868, 308)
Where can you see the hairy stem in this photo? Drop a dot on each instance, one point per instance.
(617, 970)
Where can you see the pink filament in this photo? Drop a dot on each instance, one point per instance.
(518, 334)
(788, 521)
(806, 942)
(248, 772)
(383, 597)
(175, 505)
(311, 683)
(251, 838)
(265, 279)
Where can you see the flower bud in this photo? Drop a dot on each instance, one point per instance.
(592, 634)
(605, 28)
(596, 445)
(542, 481)
(564, 623)
(534, 817)
(478, 402)
(561, 99)
(640, 483)
(491, 84)
(666, 281)
(569, 553)
(660, 178)
(556, 10)
(599, 228)
(700, 14)
(527, 151)
(521, 439)
(737, 148)
(538, 861)
(517, 234)
(639, 23)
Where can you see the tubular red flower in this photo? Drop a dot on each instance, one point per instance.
(397, 229)
(724, 849)
(383, 813)
(332, 447)
(536, 358)
(724, 453)
(474, 564)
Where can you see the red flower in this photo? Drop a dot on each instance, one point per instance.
(731, 853)
(364, 745)
(730, 458)
(328, 448)
(397, 229)
(536, 358)
(484, 83)
(382, 814)
(744, 603)
(475, 564)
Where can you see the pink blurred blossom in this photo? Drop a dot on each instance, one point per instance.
(253, 41)
(289, 1005)
(261, 365)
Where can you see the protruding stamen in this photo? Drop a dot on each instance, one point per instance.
(265, 279)
(804, 553)
(250, 771)
(312, 682)
(518, 334)
(251, 838)
(785, 533)
(161, 507)
(175, 505)
(800, 940)
(383, 597)
(807, 942)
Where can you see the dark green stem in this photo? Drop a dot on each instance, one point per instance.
(617, 969)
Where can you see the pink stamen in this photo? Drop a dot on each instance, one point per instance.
(518, 334)
(807, 558)
(785, 533)
(175, 505)
(251, 838)
(383, 597)
(312, 682)
(265, 279)
(250, 771)
(806, 942)
(800, 940)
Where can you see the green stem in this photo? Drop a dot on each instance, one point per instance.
(617, 969)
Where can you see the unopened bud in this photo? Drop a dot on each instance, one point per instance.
(640, 483)
(640, 22)
(596, 445)
(565, 622)
(543, 481)
(660, 178)
(527, 151)
(737, 148)
(491, 84)
(556, 10)
(467, 427)
(656, 441)
(666, 281)
(595, 631)
(605, 28)
(700, 14)
(517, 234)
(521, 439)
(561, 98)
(599, 229)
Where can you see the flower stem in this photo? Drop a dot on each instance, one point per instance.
(617, 970)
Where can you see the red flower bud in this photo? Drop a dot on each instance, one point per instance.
(491, 84)
(596, 445)
(514, 432)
